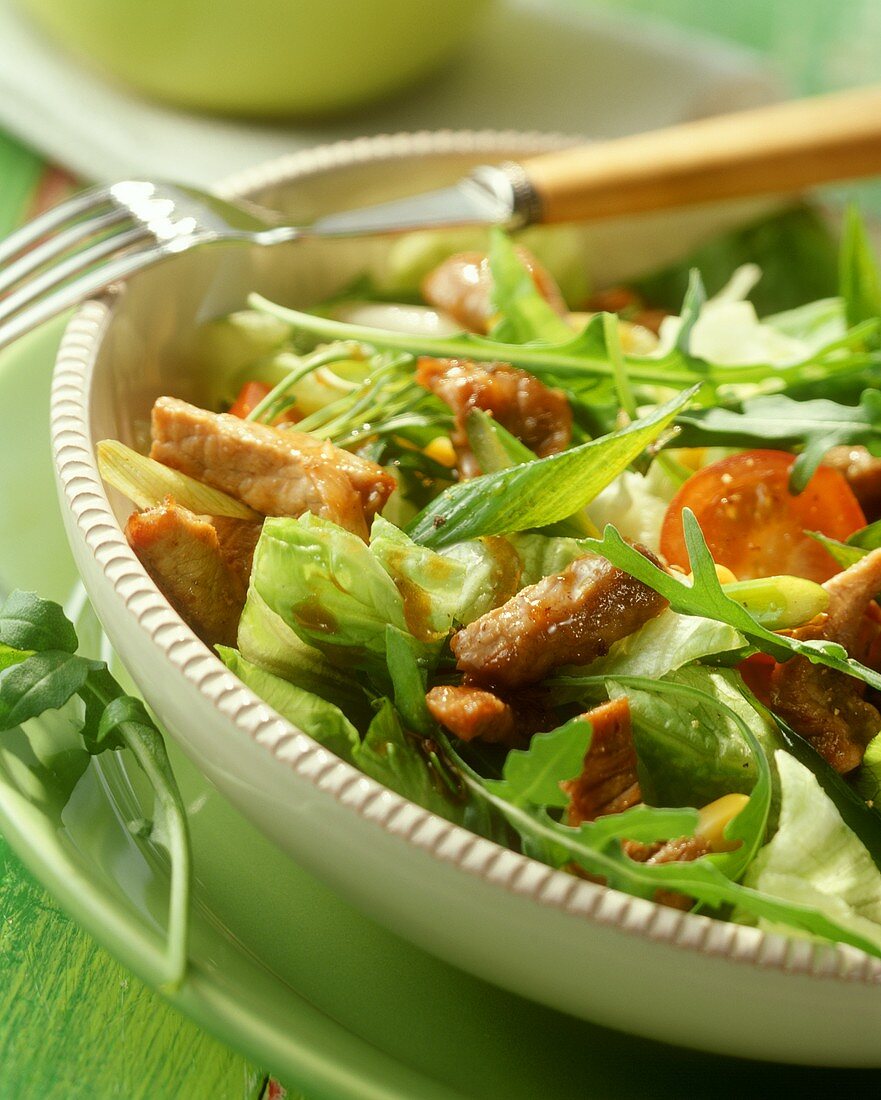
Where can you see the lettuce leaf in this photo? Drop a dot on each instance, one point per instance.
(690, 750)
(329, 589)
(815, 860)
(322, 720)
(666, 643)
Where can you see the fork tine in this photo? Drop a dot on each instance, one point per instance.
(57, 245)
(78, 262)
(78, 291)
(30, 233)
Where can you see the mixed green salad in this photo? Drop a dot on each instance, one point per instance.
(594, 576)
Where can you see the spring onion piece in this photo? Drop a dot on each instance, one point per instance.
(148, 483)
(779, 603)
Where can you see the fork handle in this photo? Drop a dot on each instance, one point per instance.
(769, 150)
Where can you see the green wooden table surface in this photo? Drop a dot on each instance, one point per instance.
(74, 1024)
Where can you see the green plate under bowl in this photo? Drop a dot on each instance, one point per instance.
(281, 968)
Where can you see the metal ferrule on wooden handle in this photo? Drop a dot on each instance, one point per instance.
(770, 150)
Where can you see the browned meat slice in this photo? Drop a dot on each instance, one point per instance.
(462, 287)
(570, 618)
(862, 472)
(471, 713)
(608, 782)
(276, 472)
(200, 565)
(827, 707)
(539, 416)
(683, 849)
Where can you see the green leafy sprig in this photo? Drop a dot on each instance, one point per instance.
(778, 421)
(541, 492)
(706, 597)
(40, 671)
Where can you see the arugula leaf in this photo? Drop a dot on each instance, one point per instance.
(695, 299)
(28, 622)
(408, 680)
(578, 358)
(860, 282)
(43, 682)
(705, 597)
(525, 315)
(533, 775)
(48, 674)
(857, 545)
(537, 493)
(843, 553)
(777, 421)
(126, 719)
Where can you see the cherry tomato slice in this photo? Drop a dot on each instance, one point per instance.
(754, 525)
(250, 396)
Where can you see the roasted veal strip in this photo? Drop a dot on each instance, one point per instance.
(862, 472)
(200, 564)
(537, 415)
(569, 618)
(472, 713)
(608, 782)
(827, 707)
(462, 286)
(277, 472)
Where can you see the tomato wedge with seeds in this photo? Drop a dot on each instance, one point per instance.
(752, 522)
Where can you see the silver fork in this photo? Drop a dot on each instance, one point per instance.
(106, 234)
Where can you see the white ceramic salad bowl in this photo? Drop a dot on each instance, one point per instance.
(596, 953)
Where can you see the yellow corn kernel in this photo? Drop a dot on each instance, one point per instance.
(441, 450)
(722, 572)
(713, 820)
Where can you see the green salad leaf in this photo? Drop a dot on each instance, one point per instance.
(538, 493)
(328, 588)
(41, 672)
(319, 718)
(795, 248)
(705, 597)
(815, 860)
(533, 776)
(860, 281)
(525, 316)
(666, 643)
(778, 421)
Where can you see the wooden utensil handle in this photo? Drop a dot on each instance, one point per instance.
(768, 150)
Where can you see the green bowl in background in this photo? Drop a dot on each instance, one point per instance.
(261, 57)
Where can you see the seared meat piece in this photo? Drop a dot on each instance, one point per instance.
(470, 713)
(277, 472)
(683, 849)
(539, 416)
(608, 782)
(570, 618)
(462, 287)
(827, 707)
(862, 472)
(200, 565)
